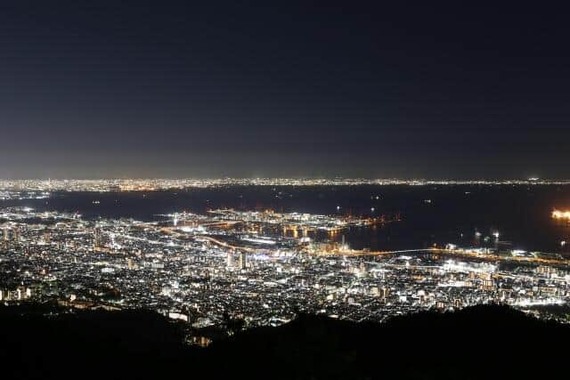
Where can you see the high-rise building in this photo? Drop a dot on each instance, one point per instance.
(230, 260)
(16, 234)
(242, 260)
(97, 238)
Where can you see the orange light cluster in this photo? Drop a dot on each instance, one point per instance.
(557, 214)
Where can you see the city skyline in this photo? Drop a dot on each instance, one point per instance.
(142, 89)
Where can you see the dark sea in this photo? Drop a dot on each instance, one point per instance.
(467, 215)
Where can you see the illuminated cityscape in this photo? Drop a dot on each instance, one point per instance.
(261, 267)
(284, 190)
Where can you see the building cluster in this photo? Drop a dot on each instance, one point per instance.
(186, 267)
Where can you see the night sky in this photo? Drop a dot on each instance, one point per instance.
(104, 89)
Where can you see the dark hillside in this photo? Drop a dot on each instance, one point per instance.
(93, 344)
(481, 342)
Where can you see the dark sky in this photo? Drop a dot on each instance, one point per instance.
(92, 89)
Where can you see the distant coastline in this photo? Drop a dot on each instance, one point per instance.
(156, 184)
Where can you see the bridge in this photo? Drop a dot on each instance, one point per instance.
(451, 252)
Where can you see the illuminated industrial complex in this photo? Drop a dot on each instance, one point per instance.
(562, 215)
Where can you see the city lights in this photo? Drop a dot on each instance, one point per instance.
(261, 265)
